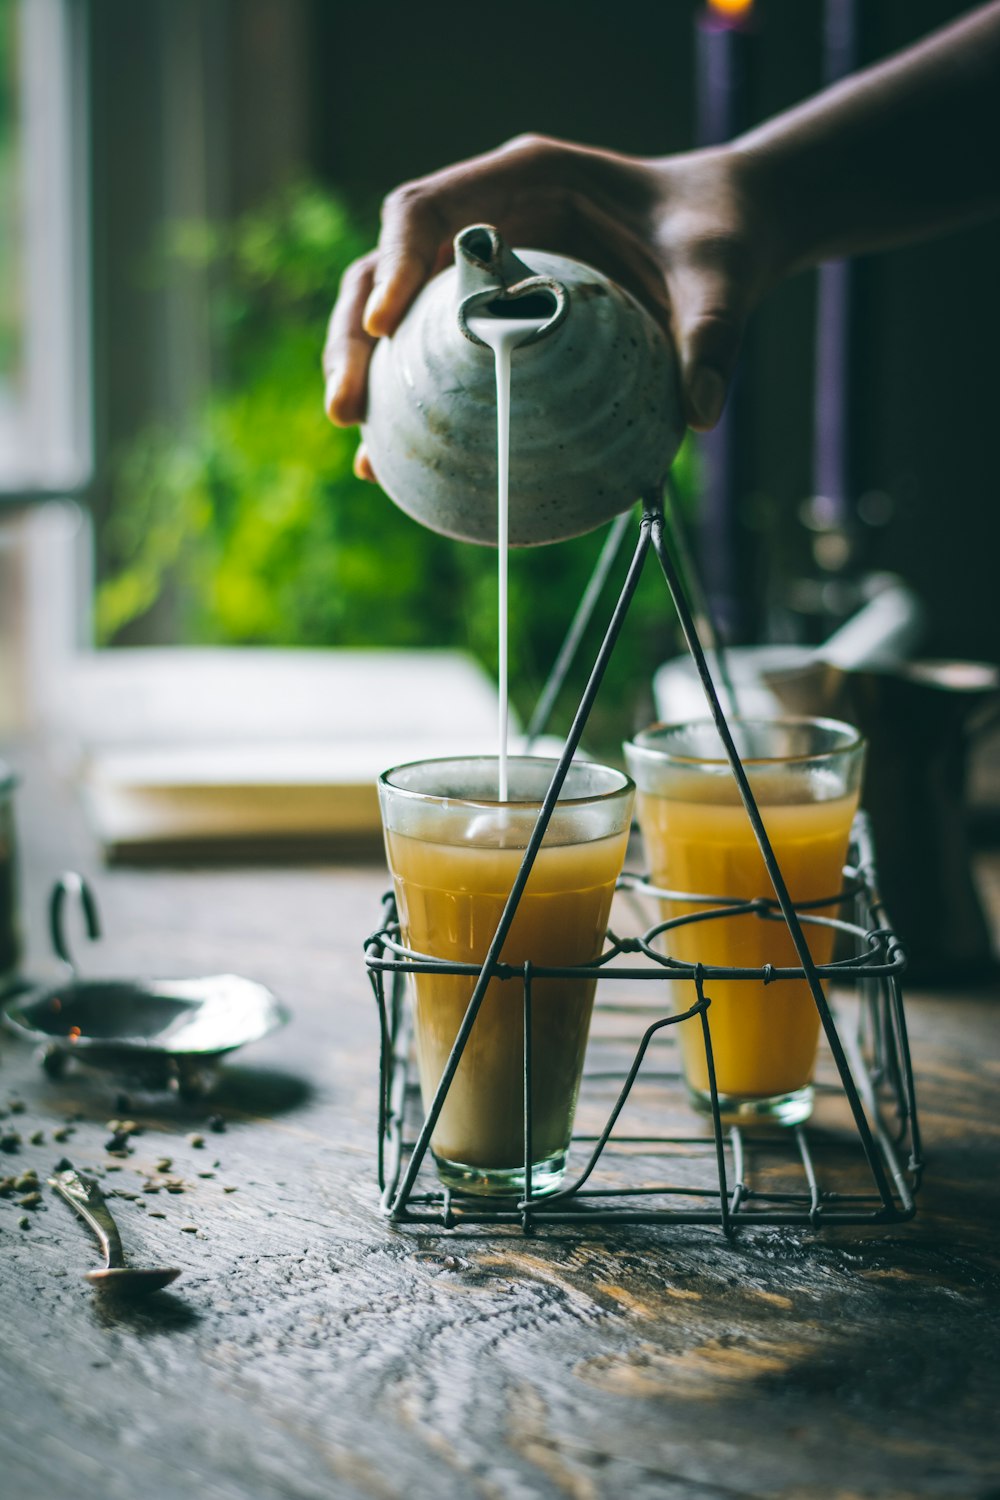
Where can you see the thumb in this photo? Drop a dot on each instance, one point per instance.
(708, 330)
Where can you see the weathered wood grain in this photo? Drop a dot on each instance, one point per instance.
(311, 1350)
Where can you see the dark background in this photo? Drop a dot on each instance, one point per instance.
(364, 97)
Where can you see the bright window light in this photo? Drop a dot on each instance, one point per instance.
(44, 296)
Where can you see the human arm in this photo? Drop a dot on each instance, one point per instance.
(904, 149)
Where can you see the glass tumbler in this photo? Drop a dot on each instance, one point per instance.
(805, 775)
(454, 851)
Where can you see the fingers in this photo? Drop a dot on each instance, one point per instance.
(418, 222)
(377, 290)
(707, 319)
(705, 391)
(675, 233)
(348, 348)
(407, 256)
(362, 465)
(420, 219)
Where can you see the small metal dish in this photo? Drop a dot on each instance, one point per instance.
(161, 1033)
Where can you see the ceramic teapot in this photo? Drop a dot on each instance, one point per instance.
(595, 411)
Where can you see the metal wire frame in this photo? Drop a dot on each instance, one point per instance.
(877, 964)
(880, 1066)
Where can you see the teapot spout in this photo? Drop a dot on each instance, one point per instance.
(492, 280)
(485, 263)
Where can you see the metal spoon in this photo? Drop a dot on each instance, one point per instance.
(83, 1194)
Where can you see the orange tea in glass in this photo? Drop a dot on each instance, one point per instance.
(805, 775)
(454, 851)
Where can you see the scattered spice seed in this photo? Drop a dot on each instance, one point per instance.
(24, 1222)
(188, 1228)
(122, 1193)
(37, 1137)
(63, 1165)
(10, 1140)
(151, 1187)
(196, 1140)
(6, 1186)
(63, 1133)
(112, 1166)
(206, 1174)
(174, 1187)
(216, 1123)
(26, 1181)
(229, 1190)
(157, 1213)
(164, 1164)
(16, 1106)
(30, 1200)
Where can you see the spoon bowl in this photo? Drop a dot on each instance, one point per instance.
(132, 1281)
(84, 1196)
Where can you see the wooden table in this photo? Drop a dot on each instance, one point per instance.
(311, 1349)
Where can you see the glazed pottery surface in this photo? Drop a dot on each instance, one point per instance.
(595, 413)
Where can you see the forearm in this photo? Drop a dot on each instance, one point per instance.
(902, 150)
(906, 149)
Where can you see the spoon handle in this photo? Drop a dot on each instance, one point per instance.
(83, 1194)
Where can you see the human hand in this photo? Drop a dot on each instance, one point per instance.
(677, 232)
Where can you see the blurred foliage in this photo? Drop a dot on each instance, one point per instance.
(252, 524)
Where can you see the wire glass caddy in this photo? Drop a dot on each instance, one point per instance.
(635, 1157)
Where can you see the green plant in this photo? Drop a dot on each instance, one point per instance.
(252, 523)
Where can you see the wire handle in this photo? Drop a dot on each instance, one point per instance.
(72, 884)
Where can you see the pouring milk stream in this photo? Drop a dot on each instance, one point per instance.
(591, 422)
(503, 336)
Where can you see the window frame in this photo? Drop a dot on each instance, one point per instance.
(52, 455)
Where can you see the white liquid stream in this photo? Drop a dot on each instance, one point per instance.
(503, 336)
